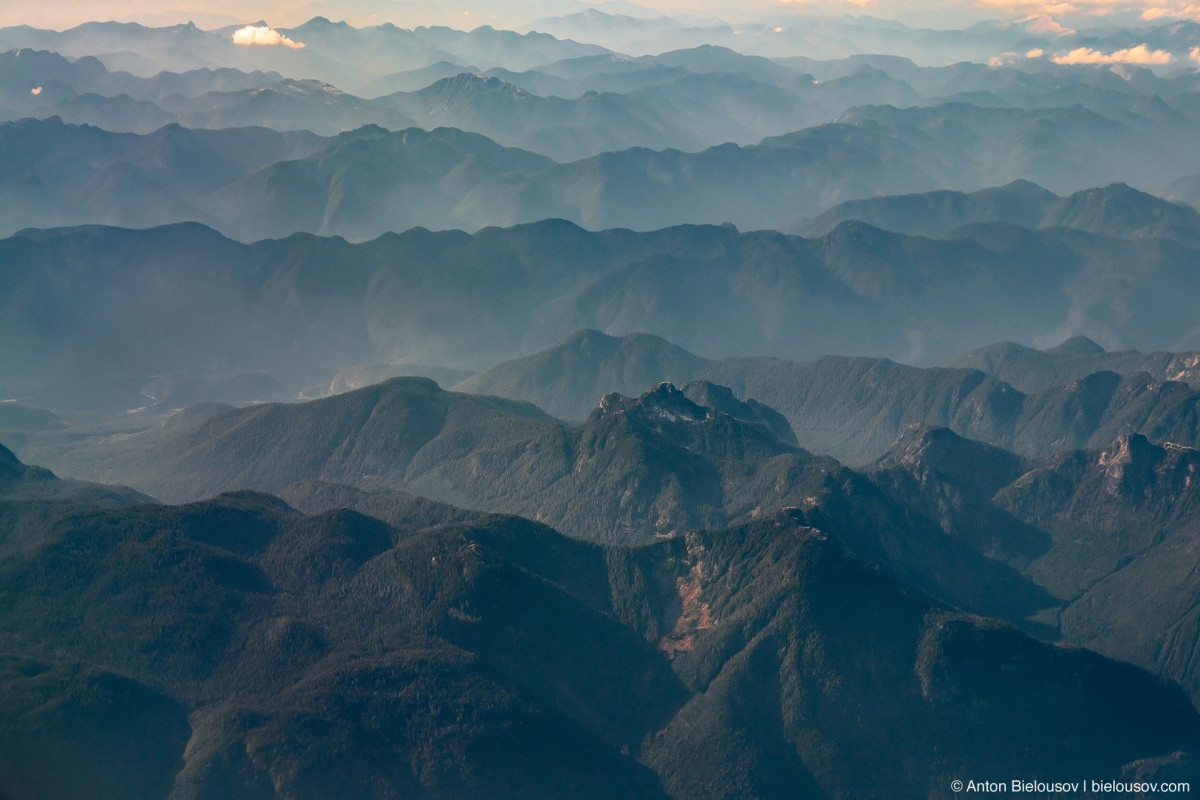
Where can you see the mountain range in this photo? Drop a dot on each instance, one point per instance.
(1033, 370)
(670, 461)
(658, 465)
(567, 110)
(1057, 543)
(303, 308)
(1115, 210)
(868, 151)
(853, 408)
(333, 52)
(745, 406)
(571, 108)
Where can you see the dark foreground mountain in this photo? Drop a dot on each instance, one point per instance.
(1108, 533)
(1032, 370)
(854, 408)
(91, 307)
(236, 647)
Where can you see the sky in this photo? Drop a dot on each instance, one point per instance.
(515, 13)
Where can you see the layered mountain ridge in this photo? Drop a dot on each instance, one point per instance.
(658, 464)
(303, 309)
(1115, 210)
(853, 408)
(628, 406)
(876, 150)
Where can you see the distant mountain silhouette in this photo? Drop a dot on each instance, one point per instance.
(852, 408)
(1115, 210)
(182, 299)
(870, 151)
(334, 52)
(1033, 370)
(564, 129)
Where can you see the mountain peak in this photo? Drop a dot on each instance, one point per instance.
(1128, 448)
(9, 463)
(1078, 346)
(589, 339)
(919, 441)
(722, 398)
(702, 418)
(669, 402)
(468, 83)
(322, 22)
(976, 467)
(1119, 210)
(1130, 464)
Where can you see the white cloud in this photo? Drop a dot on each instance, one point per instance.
(1195, 55)
(1133, 55)
(1178, 11)
(263, 35)
(1036, 52)
(1045, 24)
(1148, 9)
(35, 91)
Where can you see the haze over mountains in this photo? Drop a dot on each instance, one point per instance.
(869, 151)
(809, 134)
(750, 405)
(853, 408)
(302, 309)
(1115, 210)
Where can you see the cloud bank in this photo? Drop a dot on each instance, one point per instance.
(1133, 55)
(1179, 11)
(263, 35)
